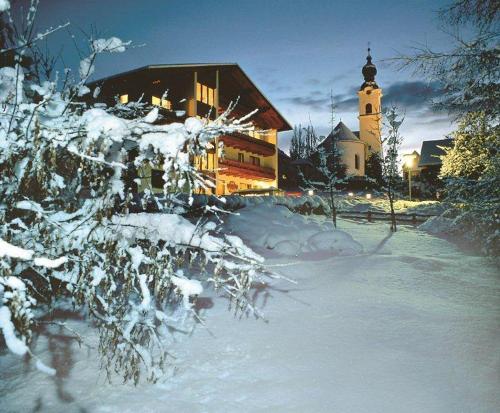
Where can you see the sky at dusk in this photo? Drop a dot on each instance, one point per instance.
(295, 51)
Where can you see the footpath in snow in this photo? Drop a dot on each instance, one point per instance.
(375, 323)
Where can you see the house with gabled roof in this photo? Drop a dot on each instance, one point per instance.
(249, 160)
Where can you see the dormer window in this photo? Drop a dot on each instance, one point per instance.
(123, 99)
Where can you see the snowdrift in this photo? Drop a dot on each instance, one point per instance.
(273, 230)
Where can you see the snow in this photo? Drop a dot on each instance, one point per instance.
(187, 288)
(170, 228)
(112, 45)
(9, 250)
(4, 5)
(99, 122)
(408, 324)
(50, 263)
(193, 125)
(307, 239)
(45, 369)
(151, 116)
(13, 343)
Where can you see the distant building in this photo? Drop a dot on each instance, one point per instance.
(249, 160)
(425, 168)
(430, 156)
(355, 147)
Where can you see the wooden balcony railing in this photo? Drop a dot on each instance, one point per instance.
(245, 170)
(247, 143)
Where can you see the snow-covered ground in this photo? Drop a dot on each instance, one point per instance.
(375, 323)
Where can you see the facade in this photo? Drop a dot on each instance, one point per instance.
(356, 147)
(248, 161)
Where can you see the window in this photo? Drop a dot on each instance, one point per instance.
(368, 108)
(356, 161)
(255, 160)
(157, 178)
(124, 99)
(241, 157)
(205, 94)
(165, 103)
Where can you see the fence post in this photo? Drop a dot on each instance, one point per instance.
(369, 216)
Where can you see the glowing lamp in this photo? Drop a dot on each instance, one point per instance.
(310, 192)
(368, 196)
(350, 194)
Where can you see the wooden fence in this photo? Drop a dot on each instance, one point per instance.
(371, 216)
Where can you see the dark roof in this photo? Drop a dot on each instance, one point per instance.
(340, 133)
(299, 162)
(432, 150)
(232, 67)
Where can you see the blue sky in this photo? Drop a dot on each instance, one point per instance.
(296, 51)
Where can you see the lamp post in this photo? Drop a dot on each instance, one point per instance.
(409, 166)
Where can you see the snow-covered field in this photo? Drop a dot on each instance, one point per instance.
(375, 323)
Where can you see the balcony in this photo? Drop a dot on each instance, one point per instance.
(247, 143)
(245, 170)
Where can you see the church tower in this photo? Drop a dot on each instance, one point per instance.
(370, 109)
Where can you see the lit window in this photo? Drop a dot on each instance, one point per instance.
(167, 104)
(198, 91)
(205, 94)
(124, 99)
(210, 96)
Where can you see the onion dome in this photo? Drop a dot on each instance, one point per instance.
(369, 71)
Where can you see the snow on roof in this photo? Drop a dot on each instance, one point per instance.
(432, 150)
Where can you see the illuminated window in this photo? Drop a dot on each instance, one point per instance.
(210, 96)
(124, 99)
(205, 94)
(167, 104)
(198, 91)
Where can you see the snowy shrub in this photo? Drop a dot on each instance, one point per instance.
(65, 230)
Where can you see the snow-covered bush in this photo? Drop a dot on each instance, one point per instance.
(65, 230)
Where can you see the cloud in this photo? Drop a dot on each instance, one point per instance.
(312, 101)
(411, 95)
(408, 95)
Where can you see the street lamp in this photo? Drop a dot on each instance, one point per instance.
(409, 166)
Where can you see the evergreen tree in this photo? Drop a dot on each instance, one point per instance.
(471, 170)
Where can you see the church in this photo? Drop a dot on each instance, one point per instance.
(355, 147)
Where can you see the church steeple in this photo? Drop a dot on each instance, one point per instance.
(370, 108)
(369, 71)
